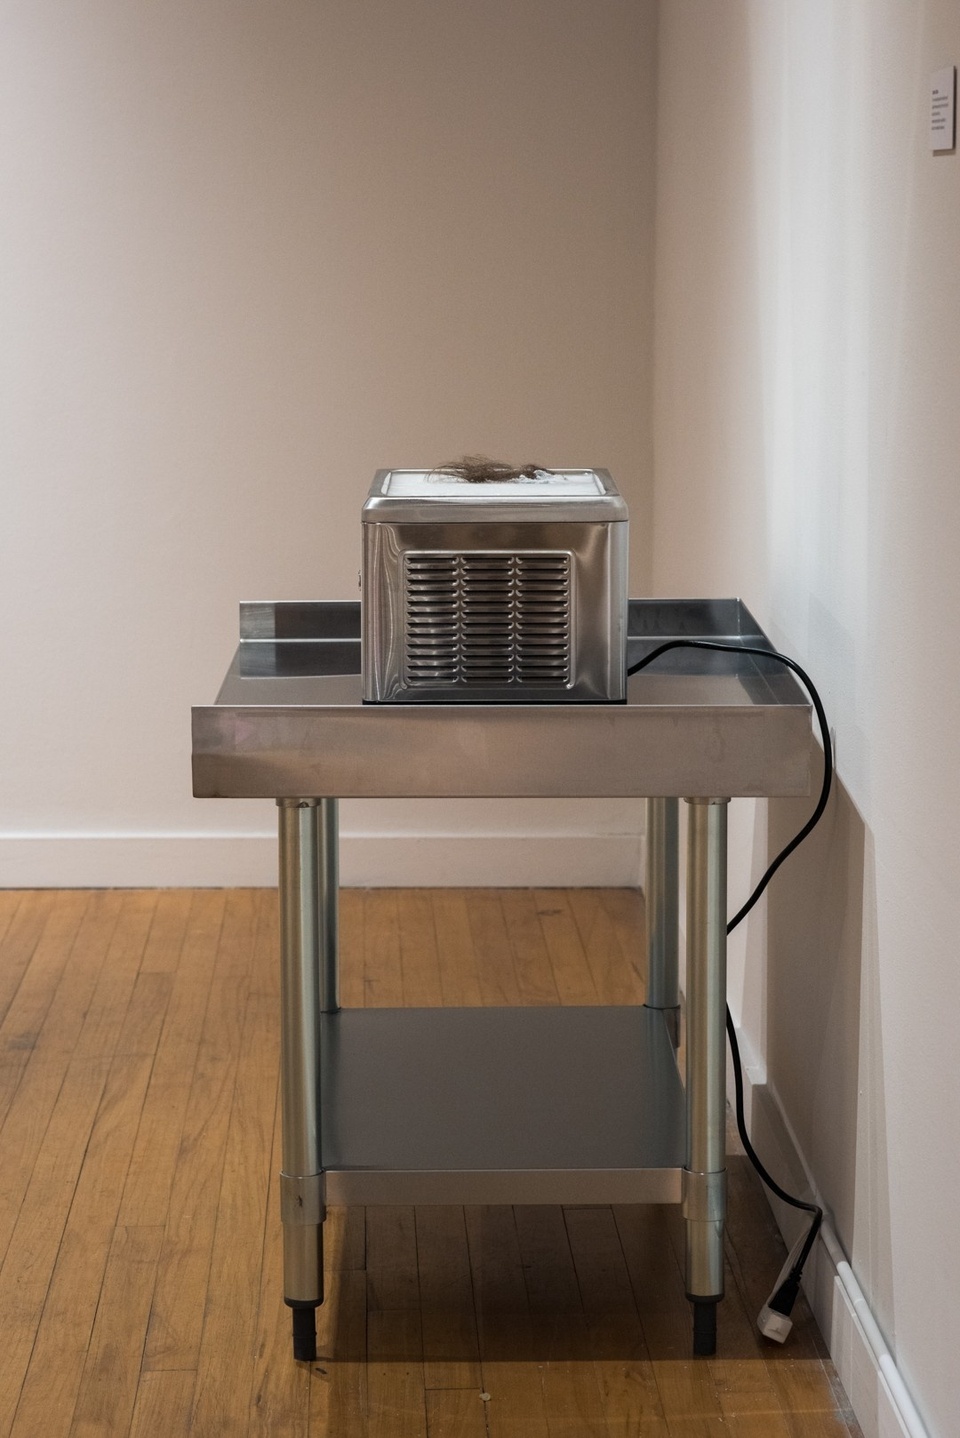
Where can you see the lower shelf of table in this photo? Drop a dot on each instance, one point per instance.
(505, 1105)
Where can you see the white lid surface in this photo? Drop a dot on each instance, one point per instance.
(432, 484)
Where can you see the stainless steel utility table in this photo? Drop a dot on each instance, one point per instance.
(569, 1105)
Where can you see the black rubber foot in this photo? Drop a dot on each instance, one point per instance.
(704, 1327)
(305, 1334)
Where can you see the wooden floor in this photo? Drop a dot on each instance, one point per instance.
(140, 1286)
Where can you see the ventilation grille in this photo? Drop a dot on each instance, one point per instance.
(487, 619)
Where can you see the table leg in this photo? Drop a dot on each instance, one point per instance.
(308, 986)
(661, 896)
(704, 1179)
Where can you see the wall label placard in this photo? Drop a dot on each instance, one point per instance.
(943, 96)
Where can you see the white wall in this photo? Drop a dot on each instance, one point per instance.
(251, 252)
(807, 434)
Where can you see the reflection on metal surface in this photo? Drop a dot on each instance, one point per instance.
(706, 1045)
(661, 895)
(710, 723)
(285, 619)
(301, 941)
(301, 1198)
(507, 1186)
(526, 1105)
(459, 576)
(704, 1195)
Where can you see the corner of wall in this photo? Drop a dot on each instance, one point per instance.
(880, 1400)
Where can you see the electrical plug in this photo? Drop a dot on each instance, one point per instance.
(774, 1319)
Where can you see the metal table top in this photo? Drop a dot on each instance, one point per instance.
(289, 721)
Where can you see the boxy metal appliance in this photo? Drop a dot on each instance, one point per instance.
(510, 591)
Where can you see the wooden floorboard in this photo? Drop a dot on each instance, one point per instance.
(140, 1253)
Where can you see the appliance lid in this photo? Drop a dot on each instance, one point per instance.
(428, 496)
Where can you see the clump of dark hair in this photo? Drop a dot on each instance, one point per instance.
(478, 469)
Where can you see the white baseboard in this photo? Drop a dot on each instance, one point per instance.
(94, 861)
(867, 1369)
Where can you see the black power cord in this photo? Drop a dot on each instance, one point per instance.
(775, 1316)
